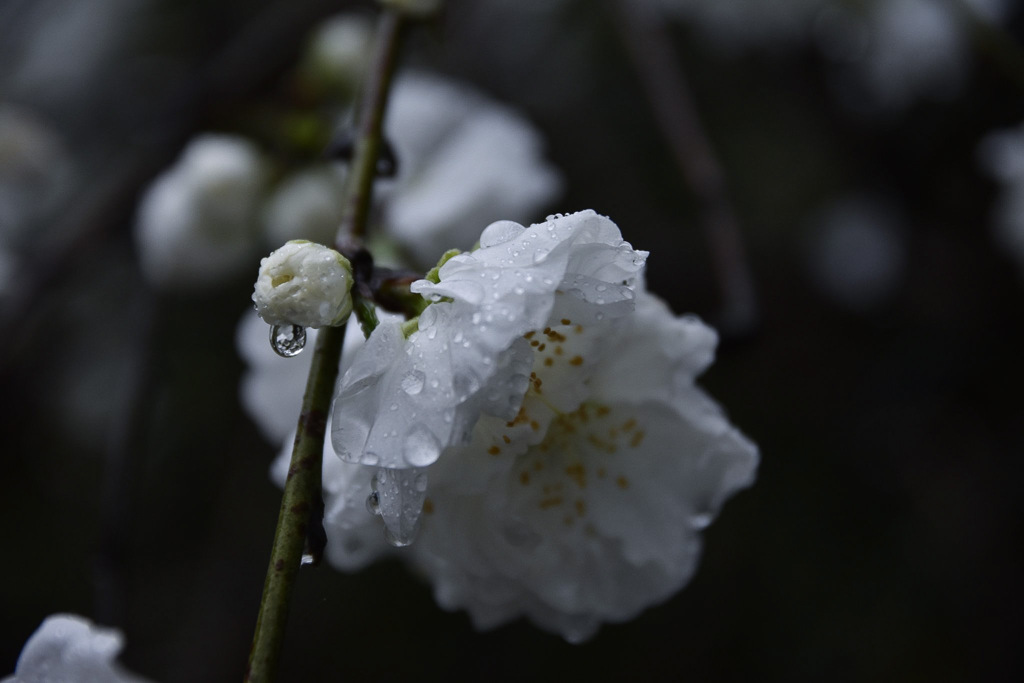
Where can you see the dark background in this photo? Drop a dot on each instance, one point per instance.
(880, 541)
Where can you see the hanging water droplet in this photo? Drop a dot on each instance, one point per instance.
(412, 382)
(396, 540)
(287, 340)
(307, 558)
(373, 503)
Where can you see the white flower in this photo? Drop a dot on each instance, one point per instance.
(304, 283)
(463, 161)
(580, 494)
(69, 649)
(403, 401)
(197, 223)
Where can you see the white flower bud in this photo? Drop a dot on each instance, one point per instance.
(304, 283)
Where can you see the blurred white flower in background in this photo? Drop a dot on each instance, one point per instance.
(35, 174)
(896, 51)
(732, 25)
(887, 53)
(70, 649)
(339, 51)
(579, 496)
(305, 205)
(197, 223)
(463, 161)
(856, 252)
(1001, 154)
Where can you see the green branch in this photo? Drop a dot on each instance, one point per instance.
(301, 503)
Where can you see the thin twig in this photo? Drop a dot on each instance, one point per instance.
(665, 85)
(302, 491)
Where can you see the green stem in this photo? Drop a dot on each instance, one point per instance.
(368, 135)
(301, 492)
(301, 504)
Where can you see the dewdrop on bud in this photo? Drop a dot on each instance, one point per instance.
(304, 284)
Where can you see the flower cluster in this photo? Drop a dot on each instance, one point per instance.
(463, 161)
(540, 434)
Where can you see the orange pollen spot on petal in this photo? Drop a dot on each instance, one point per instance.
(534, 425)
(547, 330)
(529, 335)
(622, 482)
(505, 438)
(603, 410)
(628, 424)
(576, 360)
(558, 350)
(524, 477)
(554, 336)
(542, 347)
(534, 343)
(579, 329)
(550, 502)
(549, 361)
(578, 474)
(581, 507)
(494, 450)
(637, 439)
(566, 321)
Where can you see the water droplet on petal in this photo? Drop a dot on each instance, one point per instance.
(287, 340)
(420, 447)
(540, 255)
(500, 232)
(412, 382)
(307, 558)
